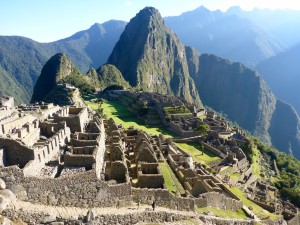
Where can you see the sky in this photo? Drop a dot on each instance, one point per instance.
(51, 20)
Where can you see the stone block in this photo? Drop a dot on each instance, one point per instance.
(49, 219)
(2, 184)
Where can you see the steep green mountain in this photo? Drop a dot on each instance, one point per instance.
(151, 58)
(9, 85)
(59, 69)
(285, 129)
(53, 83)
(241, 94)
(91, 47)
(226, 35)
(109, 75)
(22, 58)
(282, 73)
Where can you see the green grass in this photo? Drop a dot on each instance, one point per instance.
(255, 165)
(257, 210)
(223, 213)
(176, 110)
(171, 181)
(193, 150)
(121, 115)
(234, 176)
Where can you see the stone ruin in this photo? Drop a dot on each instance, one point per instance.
(68, 156)
(222, 140)
(7, 102)
(132, 157)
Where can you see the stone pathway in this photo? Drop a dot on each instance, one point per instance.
(69, 212)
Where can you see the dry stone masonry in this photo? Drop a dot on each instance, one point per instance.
(66, 156)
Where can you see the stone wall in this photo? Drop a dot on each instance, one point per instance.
(3, 161)
(248, 172)
(141, 217)
(211, 220)
(76, 119)
(15, 152)
(43, 154)
(150, 180)
(162, 198)
(18, 123)
(101, 150)
(72, 160)
(264, 205)
(49, 128)
(49, 112)
(81, 190)
(33, 159)
(295, 220)
(187, 140)
(212, 149)
(215, 199)
(8, 102)
(134, 217)
(31, 137)
(183, 133)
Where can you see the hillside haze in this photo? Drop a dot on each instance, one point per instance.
(227, 35)
(151, 58)
(282, 73)
(22, 59)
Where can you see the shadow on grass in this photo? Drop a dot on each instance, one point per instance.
(205, 151)
(127, 116)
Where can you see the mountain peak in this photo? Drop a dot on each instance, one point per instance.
(56, 69)
(151, 57)
(202, 9)
(148, 13)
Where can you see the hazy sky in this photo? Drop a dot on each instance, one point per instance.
(50, 20)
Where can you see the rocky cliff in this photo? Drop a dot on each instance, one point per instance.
(151, 58)
(59, 69)
(244, 97)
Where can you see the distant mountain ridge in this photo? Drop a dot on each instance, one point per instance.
(224, 34)
(282, 72)
(147, 51)
(22, 59)
(280, 23)
(151, 58)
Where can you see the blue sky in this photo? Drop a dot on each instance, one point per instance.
(50, 20)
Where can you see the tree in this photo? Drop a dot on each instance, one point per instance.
(203, 129)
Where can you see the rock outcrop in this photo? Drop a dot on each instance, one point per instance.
(151, 57)
(54, 71)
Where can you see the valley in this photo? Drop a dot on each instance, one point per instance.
(154, 121)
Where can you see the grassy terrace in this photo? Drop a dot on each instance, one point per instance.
(257, 210)
(223, 213)
(121, 115)
(176, 110)
(256, 162)
(235, 176)
(193, 150)
(171, 181)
